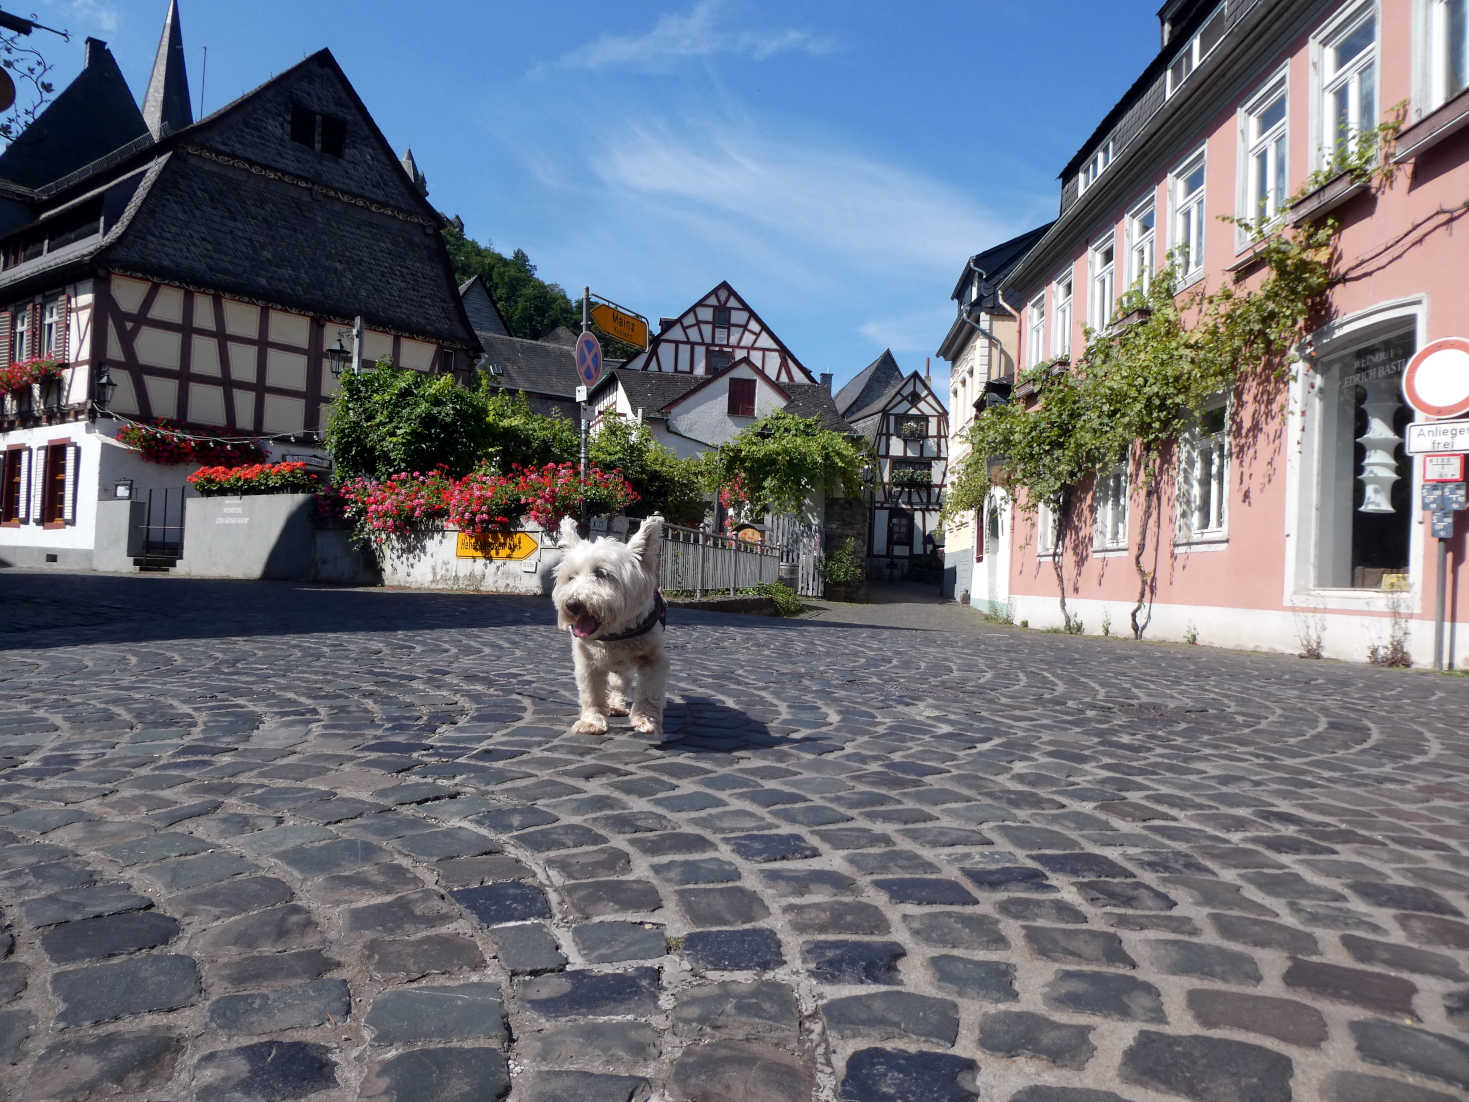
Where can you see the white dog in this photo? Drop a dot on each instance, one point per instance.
(607, 595)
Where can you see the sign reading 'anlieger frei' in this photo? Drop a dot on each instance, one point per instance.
(1427, 437)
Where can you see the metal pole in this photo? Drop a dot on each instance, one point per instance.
(1438, 604)
(581, 409)
(357, 345)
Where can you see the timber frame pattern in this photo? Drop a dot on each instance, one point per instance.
(721, 321)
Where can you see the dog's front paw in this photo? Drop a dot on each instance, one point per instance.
(590, 725)
(618, 706)
(645, 724)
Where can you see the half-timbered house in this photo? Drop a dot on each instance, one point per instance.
(203, 267)
(907, 427)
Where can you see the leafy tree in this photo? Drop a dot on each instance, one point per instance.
(28, 68)
(519, 435)
(784, 460)
(665, 483)
(392, 419)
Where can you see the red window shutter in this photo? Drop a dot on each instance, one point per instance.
(741, 398)
(63, 327)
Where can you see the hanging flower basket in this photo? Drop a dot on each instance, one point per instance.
(164, 443)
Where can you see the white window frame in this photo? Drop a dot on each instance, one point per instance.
(1036, 331)
(1189, 210)
(1101, 281)
(1109, 509)
(1045, 532)
(20, 345)
(1327, 81)
(1193, 53)
(1142, 245)
(1203, 478)
(1096, 164)
(50, 321)
(1273, 146)
(1434, 53)
(1061, 314)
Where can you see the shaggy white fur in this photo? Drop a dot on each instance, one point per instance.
(605, 587)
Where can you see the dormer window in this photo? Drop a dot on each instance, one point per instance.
(1097, 163)
(323, 133)
(1198, 47)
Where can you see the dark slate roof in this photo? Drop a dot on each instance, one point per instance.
(996, 263)
(560, 335)
(535, 367)
(214, 225)
(815, 400)
(93, 115)
(166, 106)
(869, 385)
(480, 307)
(651, 391)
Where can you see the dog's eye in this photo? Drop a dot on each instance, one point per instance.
(598, 572)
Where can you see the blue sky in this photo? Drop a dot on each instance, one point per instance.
(835, 161)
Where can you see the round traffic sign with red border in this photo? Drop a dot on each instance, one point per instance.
(588, 358)
(1436, 380)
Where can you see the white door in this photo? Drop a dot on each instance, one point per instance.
(992, 547)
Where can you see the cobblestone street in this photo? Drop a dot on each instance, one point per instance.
(268, 842)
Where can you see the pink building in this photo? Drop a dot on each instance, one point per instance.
(1310, 530)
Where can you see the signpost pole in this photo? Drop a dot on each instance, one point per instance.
(1438, 604)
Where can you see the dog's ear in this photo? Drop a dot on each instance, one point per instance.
(569, 537)
(645, 541)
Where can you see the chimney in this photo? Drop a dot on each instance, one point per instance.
(927, 378)
(95, 49)
(826, 380)
(664, 323)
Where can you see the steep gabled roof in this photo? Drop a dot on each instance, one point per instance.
(996, 263)
(652, 391)
(869, 385)
(94, 115)
(707, 380)
(534, 367)
(166, 105)
(480, 307)
(815, 400)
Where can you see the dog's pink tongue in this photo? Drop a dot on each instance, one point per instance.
(584, 626)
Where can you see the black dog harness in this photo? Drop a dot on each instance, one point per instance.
(659, 615)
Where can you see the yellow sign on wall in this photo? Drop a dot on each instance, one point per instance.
(620, 324)
(506, 545)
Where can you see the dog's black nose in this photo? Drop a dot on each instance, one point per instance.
(576, 608)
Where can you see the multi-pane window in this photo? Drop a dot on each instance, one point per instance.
(1109, 525)
(721, 317)
(1348, 82)
(1102, 269)
(1265, 146)
(48, 327)
(1141, 234)
(718, 360)
(1197, 48)
(20, 346)
(1448, 50)
(1203, 474)
(1061, 327)
(53, 489)
(1187, 186)
(1035, 348)
(1045, 530)
(1097, 163)
(741, 398)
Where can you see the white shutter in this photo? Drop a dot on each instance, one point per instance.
(69, 497)
(24, 502)
(38, 483)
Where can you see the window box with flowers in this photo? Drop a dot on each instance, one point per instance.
(30, 379)
(912, 428)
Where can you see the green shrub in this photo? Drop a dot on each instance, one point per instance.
(843, 565)
(787, 603)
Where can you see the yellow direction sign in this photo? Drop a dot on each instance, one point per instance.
(500, 545)
(620, 324)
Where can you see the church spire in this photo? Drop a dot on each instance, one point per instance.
(166, 103)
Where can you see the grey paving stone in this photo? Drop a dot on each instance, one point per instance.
(1105, 993)
(527, 948)
(1031, 909)
(591, 898)
(741, 1069)
(1009, 878)
(1286, 1020)
(286, 927)
(1348, 1086)
(722, 906)
(1416, 1051)
(1018, 1033)
(1064, 1094)
(1424, 929)
(584, 1086)
(265, 843)
(272, 969)
(1402, 957)
(892, 861)
(1078, 946)
(190, 872)
(606, 942)
(365, 883)
(957, 930)
(470, 872)
(1378, 991)
(434, 845)
(74, 904)
(180, 813)
(438, 1075)
(111, 936)
(579, 993)
(926, 891)
(901, 1075)
(1088, 866)
(410, 913)
(327, 858)
(296, 1007)
(697, 870)
(265, 1070)
(456, 1012)
(771, 847)
(1192, 958)
(593, 864)
(1265, 934)
(601, 1046)
(851, 962)
(1403, 897)
(1127, 894)
(15, 1028)
(104, 992)
(561, 836)
(807, 883)
(511, 901)
(406, 959)
(1207, 1068)
(762, 1008)
(126, 1064)
(986, 980)
(837, 917)
(230, 898)
(753, 949)
(892, 1015)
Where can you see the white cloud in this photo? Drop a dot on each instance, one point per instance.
(912, 335)
(90, 15)
(701, 32)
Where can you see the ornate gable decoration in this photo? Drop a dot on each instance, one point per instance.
(715, 332)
